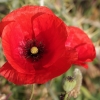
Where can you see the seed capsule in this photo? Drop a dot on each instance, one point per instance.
(69, 84)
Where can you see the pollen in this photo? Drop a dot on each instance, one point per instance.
(34, 50)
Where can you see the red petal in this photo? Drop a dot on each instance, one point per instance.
(51, 31)
(79, 41)
(28, 11)
(16, 77)
(12, 41)
(24, 16)
(56, 69)
(39, 76)
(2, 25)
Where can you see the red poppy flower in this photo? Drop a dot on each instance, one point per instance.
(38, 47)
(79, 41)
(33, 42)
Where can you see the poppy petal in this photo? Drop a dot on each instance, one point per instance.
(79, 41)
(12, 75)
(2, 25)
(27, 11)
(38, 76)
(12, 39)
(60, 66)
(52, 32)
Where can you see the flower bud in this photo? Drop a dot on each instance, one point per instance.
(69, 84)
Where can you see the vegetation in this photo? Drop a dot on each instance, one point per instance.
(81, 13)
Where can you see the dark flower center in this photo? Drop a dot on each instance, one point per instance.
(33, 50)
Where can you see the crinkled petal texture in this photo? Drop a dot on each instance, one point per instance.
(26, 12)
(2, 25)
(79, 41)
(43, 27)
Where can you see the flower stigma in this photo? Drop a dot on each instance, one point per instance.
(70, 78)
(34, 50)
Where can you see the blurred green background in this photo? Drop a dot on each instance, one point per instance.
(84, 14)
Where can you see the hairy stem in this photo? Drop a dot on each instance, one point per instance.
(66, 97)
(51, 92)
(32, 92)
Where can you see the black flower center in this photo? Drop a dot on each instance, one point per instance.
(33, 50)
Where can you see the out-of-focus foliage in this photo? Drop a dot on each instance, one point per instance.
(81, 13)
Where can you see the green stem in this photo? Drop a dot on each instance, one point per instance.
(66, 97)
(51, 92)
(32, 92)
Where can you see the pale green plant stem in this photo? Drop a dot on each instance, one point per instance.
(66, 97)
(51, 92)
(32, 92)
